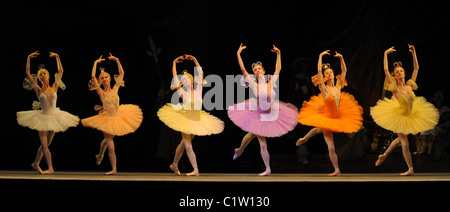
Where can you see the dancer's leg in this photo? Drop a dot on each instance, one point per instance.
(103, 146)
(44, 136)
(391, 147)
(190, 153)
(178, 153)
(111, 154)
(40, 153)
(265, 155)
(406, 154)
(328, 135)
(311, 133)
(245, 141)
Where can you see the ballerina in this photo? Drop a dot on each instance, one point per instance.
(49, 119)
(262, 116)
(113, 119)
(332, 110)
(188, 118)
(404, 113)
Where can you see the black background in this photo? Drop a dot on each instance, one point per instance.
(81, 31)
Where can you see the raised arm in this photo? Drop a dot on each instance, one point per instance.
(60, 68)
(241, 64)
(319, 69)
(176, 81)
(94, 69)
(278, 63)
(199, 70)
(36, 87)
(412, 49)
(343, 68)
(121, 73)
(386, 64)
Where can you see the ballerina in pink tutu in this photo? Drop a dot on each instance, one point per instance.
(262, 116)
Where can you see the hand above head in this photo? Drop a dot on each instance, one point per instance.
(179, 59)
(326, 52)
(411, 48)
(34, 54)
(390, 50)
(53, 54)
(338, 55)
(111, 57)
(189, 57)
(275, 49)
(99, 60)
(241, 47)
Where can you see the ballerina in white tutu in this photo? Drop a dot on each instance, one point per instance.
(45, 116)
(188, 118)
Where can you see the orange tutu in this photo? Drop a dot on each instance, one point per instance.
(324, 115)
(128, 120)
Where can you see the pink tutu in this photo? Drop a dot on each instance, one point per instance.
(275, 122)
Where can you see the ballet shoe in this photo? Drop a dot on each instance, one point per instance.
(99, 159)
(37, 168)
(113, 172)
(300, 141)
(237, 154)
(175, 169)
(380, 160)
(266, 173)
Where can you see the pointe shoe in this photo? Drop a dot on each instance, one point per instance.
(99, 159)
(175, 169)
(37, 168)
(48, 172)
(266, 173)
(407, 173)
(380, 160)
(113, 172)
(237, 154)
(335, 174)
(194, 173)
(300, 141)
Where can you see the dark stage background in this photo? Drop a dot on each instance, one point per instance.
(81, 31)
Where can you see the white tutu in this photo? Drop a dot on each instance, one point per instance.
(49, 118)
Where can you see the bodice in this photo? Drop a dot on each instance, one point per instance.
(405, 103)
(332, 106)
(48, 104)
(110, 102)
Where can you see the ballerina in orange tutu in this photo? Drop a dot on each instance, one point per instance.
(113, 119)
(332, 110)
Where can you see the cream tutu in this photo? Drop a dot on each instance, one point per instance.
(194, 122)
(128, 120)
(113, 118)
(48, 118)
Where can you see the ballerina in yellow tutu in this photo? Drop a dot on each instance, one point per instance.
(404, 113)
(188, 118)
(113, 118)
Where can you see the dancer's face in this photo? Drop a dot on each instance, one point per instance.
(43, 76)
(328, 73)
(258, 70)
(399, 73)
(187, 80)
(105, 79)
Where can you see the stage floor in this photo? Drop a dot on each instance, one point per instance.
(224, 177)
(213, 183)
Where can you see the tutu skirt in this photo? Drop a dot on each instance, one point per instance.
(128, 120)
(57, 120)
(194, 122)
(391, 115)
(323, 114)
(279, 120)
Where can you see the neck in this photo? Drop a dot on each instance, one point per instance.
(401, 82)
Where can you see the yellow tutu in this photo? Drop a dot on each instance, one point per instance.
(397, 116)
(127, 120)
(195, 122)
